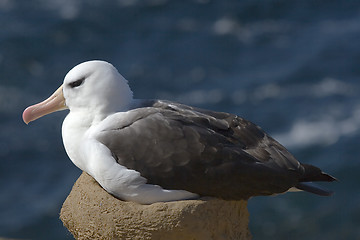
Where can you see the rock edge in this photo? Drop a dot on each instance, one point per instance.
(89, 212)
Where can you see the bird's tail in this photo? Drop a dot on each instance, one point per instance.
(312, 188)
(314, 174)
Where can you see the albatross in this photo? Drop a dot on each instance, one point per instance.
(149, 151)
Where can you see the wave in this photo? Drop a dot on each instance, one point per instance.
(327, 87)
(325, 131)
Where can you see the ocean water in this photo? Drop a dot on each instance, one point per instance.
(292, 67)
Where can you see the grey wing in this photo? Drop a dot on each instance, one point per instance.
(205, 152)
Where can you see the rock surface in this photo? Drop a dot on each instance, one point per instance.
(89, 212)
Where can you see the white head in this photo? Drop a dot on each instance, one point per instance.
(94, 85)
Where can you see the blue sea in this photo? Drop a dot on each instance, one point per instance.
(292, 67)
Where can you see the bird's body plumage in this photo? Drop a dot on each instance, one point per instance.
(152, 150)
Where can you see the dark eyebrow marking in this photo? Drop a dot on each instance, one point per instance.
(77, 82)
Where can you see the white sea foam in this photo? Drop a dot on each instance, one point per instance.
(327, 87)
(338, 121)
(248, 32)
(325, 131)
(67, 9)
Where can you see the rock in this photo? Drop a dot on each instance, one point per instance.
(89, 212)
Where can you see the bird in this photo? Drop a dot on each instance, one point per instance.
(149, 150)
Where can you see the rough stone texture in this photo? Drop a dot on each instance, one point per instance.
(89, 212)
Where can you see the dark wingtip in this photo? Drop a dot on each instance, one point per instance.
(314, 174)
(328, 178)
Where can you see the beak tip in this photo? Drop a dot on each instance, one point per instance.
(26, 116)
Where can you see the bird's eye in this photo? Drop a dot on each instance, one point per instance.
(77, 83)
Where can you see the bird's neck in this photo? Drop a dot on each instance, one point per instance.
(78, 122)
(74, 130)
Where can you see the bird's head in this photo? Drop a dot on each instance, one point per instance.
(94, 86)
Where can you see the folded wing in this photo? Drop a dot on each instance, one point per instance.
(204, 152)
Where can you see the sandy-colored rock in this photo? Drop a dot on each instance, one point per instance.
(89, 212)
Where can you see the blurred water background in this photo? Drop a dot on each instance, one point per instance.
(292, 67)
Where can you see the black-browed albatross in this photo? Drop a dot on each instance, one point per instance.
(150, 151)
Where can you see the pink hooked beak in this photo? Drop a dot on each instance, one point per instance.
(56, 102)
